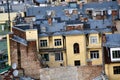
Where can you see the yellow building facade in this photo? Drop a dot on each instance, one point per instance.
(109, 69)
(4, 16)
(76, 49)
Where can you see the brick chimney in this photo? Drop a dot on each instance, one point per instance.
(81, 5)
(89, 62)
(50, 21)
(103, 38)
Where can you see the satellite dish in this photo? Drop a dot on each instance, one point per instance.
(14, 66)
(15, 73)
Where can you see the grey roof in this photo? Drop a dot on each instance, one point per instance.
(91, 31)
(41, 1)
(54, 27)
(74, 32)
(99, 23)
(92, 26)
(58, 33)
(113, 40)
(43, 35)
(19, 40)
(104, 5)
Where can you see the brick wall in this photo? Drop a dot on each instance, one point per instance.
(19, 33)
(70, 73)
(29, 61)
(89, 72)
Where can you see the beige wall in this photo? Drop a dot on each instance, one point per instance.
(94, 47)
(50, 44)
(4, 16)
(52, 63)
(31, 34)
(96, 61)
(71, 57)
(110, 73)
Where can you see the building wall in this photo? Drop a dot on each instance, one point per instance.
(4, 17)
(28, 60)
(110, 72)
(70, 73)
(71, 57)
(32, 34)
(50, 45)
(25, 56)
(53, 63)
(117, 26)
(96, 61)
(95, 47)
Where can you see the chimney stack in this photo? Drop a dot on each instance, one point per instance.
(103, 38)
(50, 21)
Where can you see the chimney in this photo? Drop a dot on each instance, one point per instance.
(50, 21)
(81, 5)
(89, 62)
(103, 38)
(31, 25)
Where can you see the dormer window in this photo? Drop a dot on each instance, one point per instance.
(93, 39)
(115, 54)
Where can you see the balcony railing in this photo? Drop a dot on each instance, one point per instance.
(52, 49)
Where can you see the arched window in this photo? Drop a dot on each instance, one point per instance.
(76, 48)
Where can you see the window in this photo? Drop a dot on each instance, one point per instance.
(115, 54)
(57, 42)
(62, 0)
(94, 54)
(76, 48)
(58, 56)
(93, 39)
(43, 43)
(116, 69)
(77, 62)
(45, 57)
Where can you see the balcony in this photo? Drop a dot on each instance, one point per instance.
(96, 46)
(52, 49)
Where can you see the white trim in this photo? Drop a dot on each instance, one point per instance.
(113, 59)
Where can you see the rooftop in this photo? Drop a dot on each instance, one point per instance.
(113, 40)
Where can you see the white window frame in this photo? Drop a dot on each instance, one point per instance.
(111, 52)
(60, 55)
(95, 54)
(57, 42)
(42, 43)
(93, 40)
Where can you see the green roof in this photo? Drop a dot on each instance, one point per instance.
(5, 69)
(3, 45)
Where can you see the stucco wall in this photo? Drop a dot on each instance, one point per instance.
(70, 73)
